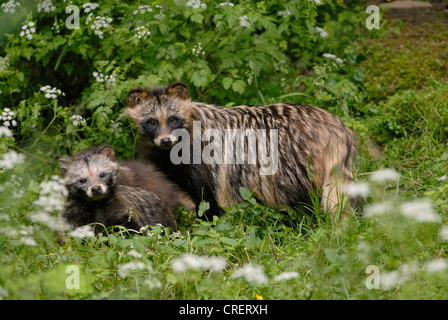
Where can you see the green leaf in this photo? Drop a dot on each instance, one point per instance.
(197, 17)
(226, 83)
(239, 86)
(245, 193)
(203, 206)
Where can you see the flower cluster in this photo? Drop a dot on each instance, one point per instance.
(244, 22)
(196, 4)
(8, 118)
(99, 24)
(226, 4)
(193, 262)
(332, 57)
(322, 33)
(10, 159)
(100, 77)
(250, 273)
(83, 232)
(284, 14)
(90, 6)
(142, 9)
(28, 30)
(142, 32)
(4, 64)
(5, 132)
(197, 50)
(46, 6)
(317, 2)
(115, 129)
(51, 200)
(10, 6)
(78, 120)
(51, 93)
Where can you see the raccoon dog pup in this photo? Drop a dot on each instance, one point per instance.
(315, 151)
(95, 196)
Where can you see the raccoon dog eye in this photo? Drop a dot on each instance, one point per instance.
(172, 120)
(82, 180)
(152, 122)
(102, 174)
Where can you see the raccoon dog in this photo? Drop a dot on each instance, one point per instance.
(95, 196)
(315, 151)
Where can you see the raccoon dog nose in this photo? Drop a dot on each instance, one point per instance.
(96, 190)
(165, 142)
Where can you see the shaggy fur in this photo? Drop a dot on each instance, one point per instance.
(315, 149)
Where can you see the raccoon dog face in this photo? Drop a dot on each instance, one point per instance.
(157, 112)
(91, 175)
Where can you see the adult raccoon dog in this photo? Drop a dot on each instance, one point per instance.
(95, 196)
(313, 149)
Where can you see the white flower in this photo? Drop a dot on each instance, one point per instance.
(125, 269)
(192, 262)
(99, 24)
(384, 175)
(196, 4)
(377, 209)
(116, 129)
(226, 4)
(322, 32)
(28, 30)
(10, 6)
(356, 189)
(51, 93)
(332, 57)
(436, 265)
(46, 6)
(443, 234)
(134, 254)
(142, 32)
(78, 120)
(286, 276)
(244, 22)
(90, 6)
(3, 293)
(285, 13)
(318, 2)
(10, 159)
(142, 9)
(83, 232)
(251, 274)
(153, 283)
(420, 210)
(5, 132)
(28, 241)
(197, 50)
(109, 80)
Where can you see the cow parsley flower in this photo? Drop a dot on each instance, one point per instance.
(142, 32)
(197, 50)
(377, 209)
(436, 265)
(356, 189)
(83, 232)
(193, 262)
(286, 276)
(51, 93)
(284, 14)
(45, 6)
(10, 6)
(226, 4)
(443, 233)
(27, 30)
(420, 210)
(317, 2)
(196, 4)
(332, 57)
(142, 9)
(244, 22)
(100, 77)
(99, 24)
(322, 32)
(250, 273)
(11, 159)
(78, 120)
(125, 269)
(7, 117)
(4, 64)
(384, 175)
(90, 6)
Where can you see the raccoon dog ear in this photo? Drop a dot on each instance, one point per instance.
(107, 151)
(64, 163)
(136, 96)
(178, 89)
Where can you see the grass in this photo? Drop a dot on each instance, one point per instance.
(405, 116)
